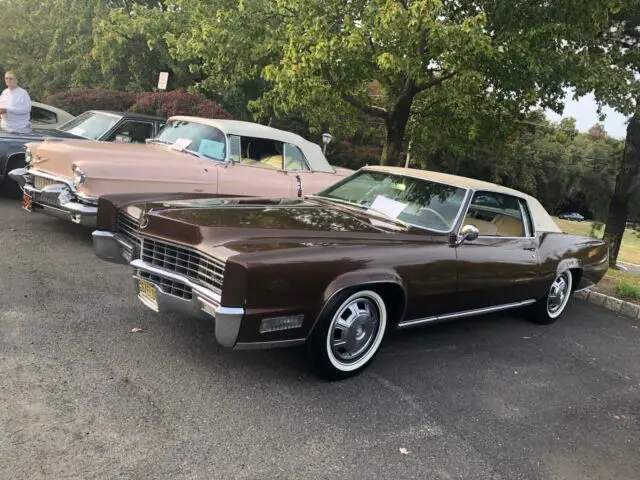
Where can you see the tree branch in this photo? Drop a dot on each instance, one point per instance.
(435, 81)
(370, 109)
(351, 99)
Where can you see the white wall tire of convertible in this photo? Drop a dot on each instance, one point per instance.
(348, 335)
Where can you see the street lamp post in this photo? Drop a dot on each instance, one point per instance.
(326, 140)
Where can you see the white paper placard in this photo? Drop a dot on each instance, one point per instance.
(388, 206)
(181, 144)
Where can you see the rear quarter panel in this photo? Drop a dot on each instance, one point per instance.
(587, 256)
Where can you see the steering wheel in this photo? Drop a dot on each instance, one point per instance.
(440, 217)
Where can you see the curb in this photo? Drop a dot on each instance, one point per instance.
(616, 305)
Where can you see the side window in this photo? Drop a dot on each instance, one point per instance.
(262, 152)
(235, 149)
(132, 132)
(293, 158)
(497, 215)
(40, 115)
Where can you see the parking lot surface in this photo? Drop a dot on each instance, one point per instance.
(493, 397)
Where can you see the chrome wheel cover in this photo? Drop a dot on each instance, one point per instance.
(559, 294)
(356, 330)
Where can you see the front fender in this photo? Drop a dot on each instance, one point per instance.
(360, 277)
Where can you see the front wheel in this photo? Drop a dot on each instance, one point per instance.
(348, 335)
(549, 308)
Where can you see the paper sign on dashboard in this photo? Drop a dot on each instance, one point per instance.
(181, 144)
(388, 206)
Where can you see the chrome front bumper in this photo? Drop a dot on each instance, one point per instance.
(202, 303)
(57, 200)
(111, 247)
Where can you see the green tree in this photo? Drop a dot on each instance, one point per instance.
(611, 69)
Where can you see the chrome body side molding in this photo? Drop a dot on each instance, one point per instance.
(465, 313)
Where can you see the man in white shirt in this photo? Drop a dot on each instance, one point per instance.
(15, 107)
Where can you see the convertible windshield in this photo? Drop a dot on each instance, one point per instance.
(206, 141)
(91, 125)
(415, 201)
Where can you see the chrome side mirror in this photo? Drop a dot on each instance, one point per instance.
(468, 232)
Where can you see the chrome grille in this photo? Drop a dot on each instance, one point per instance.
(169, 286)
(41, 182)
(205, 271)
(127, 227)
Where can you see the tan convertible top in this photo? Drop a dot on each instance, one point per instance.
(311, 151)
(541, 218)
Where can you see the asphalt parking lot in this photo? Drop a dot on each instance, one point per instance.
(493, 397)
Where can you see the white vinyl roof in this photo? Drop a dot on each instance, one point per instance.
(541, 218)
(311, 151)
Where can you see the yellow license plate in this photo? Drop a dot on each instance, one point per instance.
(147, 292)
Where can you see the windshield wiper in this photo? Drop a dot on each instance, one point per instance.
(363, 209)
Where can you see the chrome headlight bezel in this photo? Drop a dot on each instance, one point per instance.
(79, 177)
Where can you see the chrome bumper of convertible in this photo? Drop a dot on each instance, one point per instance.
(55, 197)
(178, 294)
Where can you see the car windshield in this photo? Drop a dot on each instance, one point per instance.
(91, 125)
(204, 140)
(418, 202)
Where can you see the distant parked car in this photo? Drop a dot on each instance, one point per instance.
(572, 216)
(45, 117)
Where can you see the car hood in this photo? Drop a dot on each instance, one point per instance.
(37, 135)
(245, 225)
(100, 160)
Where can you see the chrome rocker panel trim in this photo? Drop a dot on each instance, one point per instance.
(463, 314)
(111, 247)
(227, 319)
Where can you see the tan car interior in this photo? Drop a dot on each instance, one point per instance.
(500, 226)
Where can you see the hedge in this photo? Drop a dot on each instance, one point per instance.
(80, 100)
(176, 102)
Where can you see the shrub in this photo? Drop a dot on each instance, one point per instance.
(628, 291)
(178, 102)
(80, 100)
(346, 154)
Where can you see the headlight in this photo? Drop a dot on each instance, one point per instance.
(79, 177)
(28, 157)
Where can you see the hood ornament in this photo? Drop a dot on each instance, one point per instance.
(144, 221)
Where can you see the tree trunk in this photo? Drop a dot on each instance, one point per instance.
(626, 181)
(396, 125)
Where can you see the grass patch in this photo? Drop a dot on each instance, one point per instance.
(629, 250)
(623, 285)
(628, 291)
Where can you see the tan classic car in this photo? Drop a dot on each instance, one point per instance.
(189, 155)
(381, 250)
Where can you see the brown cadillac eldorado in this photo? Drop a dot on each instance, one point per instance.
(383, 249)
(189, 155)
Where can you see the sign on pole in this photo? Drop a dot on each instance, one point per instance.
(162, 80)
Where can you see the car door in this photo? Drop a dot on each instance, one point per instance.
(131, 131)
(252, 174)
(501, 266)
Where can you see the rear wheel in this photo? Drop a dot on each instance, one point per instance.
(549, 308)
(348, 335)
